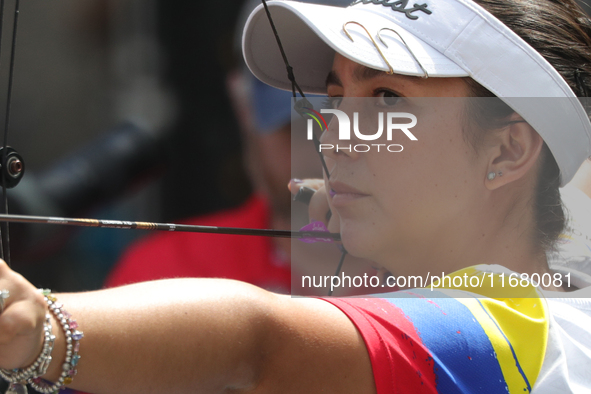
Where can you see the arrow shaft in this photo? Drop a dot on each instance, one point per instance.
(165, 227)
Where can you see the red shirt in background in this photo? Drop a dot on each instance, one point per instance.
(250, 259)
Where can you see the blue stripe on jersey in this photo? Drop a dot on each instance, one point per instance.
(464, 359)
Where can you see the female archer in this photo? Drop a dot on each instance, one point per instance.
(477, 194)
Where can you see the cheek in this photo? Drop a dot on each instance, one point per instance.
(436, 167)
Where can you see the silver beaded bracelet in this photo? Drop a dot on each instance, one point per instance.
(73, 337)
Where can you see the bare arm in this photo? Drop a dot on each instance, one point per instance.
(207, 336)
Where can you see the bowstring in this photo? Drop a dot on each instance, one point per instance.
(294, 84)
(294, 87)
(4, 231)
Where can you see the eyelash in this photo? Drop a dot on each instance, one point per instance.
(394, 96)
(335, 101)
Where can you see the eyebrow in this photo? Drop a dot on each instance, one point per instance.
(333, 79)
(361, 73)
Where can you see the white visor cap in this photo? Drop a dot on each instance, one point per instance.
(449, 38)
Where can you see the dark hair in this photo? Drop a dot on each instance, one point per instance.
(560, 31)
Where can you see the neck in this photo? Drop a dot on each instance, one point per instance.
(493, 230)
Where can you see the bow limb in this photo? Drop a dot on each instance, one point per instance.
(6, 166)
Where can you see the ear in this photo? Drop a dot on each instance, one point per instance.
(513, 152)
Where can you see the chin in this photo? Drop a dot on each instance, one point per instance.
(358, 243)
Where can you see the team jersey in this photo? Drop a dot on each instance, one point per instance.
(458, 341)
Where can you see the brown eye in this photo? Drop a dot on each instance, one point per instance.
(387, 98)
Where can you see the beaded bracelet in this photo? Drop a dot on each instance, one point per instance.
(73, 337)
(18, 377)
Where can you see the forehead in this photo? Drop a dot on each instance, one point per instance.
(346, 73)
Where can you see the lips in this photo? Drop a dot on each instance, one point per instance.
(341, 193)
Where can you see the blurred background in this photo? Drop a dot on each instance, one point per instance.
(120, 111)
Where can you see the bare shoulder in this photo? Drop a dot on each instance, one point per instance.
(314, 348)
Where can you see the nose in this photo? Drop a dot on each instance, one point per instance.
(332, 147)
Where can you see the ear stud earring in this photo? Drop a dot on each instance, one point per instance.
(492, 175)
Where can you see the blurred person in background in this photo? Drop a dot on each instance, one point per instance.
(258, 260)
(264, 116)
